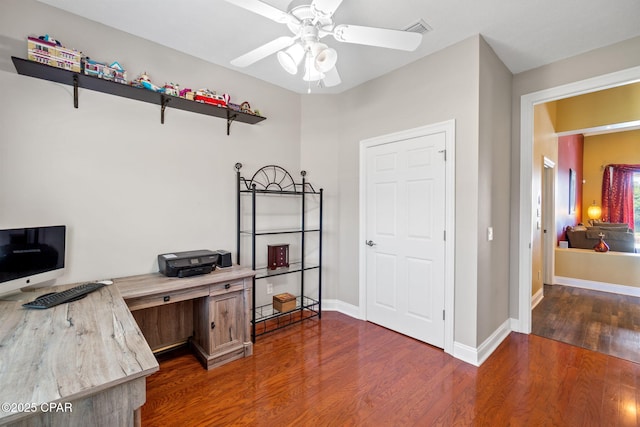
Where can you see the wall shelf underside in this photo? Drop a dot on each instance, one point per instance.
(79, 80)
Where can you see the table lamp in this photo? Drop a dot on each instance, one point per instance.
(594, 213)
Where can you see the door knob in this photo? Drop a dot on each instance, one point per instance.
(370, 243)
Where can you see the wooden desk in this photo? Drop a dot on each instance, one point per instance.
(89, 356)
(213, 310)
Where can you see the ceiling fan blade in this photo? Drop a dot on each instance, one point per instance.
(332, 78)
(325, 8)
(381, 37)
(261, 8)
(263, 51)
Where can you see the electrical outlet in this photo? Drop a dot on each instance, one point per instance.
(269, 288)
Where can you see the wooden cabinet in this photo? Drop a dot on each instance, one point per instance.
(212, 311)
(221, 327)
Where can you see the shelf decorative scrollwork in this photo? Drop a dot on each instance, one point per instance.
(274, 178)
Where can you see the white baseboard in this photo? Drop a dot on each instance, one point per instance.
(461, 351)
(536, 298)
(597, 286)
(477, 356)
(341, 307)
(514, 325)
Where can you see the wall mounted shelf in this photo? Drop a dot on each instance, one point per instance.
(79, 80)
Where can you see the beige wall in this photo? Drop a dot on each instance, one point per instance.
(127, 187)
(600, 150)
(493, 192)
(618, 268)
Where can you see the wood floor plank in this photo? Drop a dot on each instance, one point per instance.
(600, 321)
(340, 371)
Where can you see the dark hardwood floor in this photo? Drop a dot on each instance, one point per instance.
(340, 371)
(600, 321)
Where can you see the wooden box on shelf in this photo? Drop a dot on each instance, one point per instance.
(284, 302)
(278, 256)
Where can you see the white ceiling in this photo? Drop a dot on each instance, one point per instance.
(525, 34)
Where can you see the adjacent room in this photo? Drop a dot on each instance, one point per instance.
(590, 296)
(322, 212)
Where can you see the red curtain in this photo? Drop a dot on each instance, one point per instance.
(617, 193)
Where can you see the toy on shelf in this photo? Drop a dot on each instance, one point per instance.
(172, 89)
(49, 51)
(209, 97)
(245, 107)
(144, 81)
(187, 94)
(113, 72)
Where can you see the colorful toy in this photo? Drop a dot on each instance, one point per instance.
(245, 107)
(113, 72)
(172, 89)
(144, 81)
(117, 73)
(187, 94)
(47, 50)
(209, 97)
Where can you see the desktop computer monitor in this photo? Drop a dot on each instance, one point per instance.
(31, 257)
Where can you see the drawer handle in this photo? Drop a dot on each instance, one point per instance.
(166, 298)
(227, 286)
(213, 325)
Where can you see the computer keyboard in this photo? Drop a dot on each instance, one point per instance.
(71, 294)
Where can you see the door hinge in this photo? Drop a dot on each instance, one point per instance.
(445, 234)
(442, 314)
(444, 152)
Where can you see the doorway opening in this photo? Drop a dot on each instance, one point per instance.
(527, 219)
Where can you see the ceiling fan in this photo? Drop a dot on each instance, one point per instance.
(309, 23)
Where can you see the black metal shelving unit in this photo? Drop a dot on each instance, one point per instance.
(275, 181)
(80, 80)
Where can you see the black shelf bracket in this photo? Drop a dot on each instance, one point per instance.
(230, 119)
(164, 100)
(75, 91)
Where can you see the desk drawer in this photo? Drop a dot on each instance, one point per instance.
(168, 298)
(223, 288)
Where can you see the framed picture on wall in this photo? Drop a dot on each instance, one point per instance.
(572, 191)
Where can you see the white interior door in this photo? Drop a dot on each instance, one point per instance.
(405, 235)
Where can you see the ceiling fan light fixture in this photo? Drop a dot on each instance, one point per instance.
(311, 74)
(310, 21)
(326, 59)
(291, 58)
